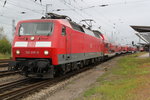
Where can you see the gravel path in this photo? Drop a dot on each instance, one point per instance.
(75, 86)
(144, 55)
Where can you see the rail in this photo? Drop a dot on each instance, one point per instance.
(6, 73)
(21, 92)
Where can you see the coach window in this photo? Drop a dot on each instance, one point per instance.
(106, 45)
(63, 31)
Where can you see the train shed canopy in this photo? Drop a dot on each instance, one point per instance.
(143, 32)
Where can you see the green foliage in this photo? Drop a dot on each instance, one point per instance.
(5, 56)
(120, 82)
(5, 46)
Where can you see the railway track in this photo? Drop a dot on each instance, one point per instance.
(4, 62)
(30, 88)
(4, 65)
(10, 85)
(18, 89)
(6, 73)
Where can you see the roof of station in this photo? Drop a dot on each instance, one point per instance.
(143, 32)
(141, 28)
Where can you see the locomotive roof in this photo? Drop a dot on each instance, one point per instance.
(62, 21)
(70, 24)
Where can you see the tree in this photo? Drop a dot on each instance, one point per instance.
(1, 32)
(5, 45)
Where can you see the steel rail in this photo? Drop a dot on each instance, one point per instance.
(6, 73)
(20, 92)
(9, 85)
(5, 60)
(4, 65)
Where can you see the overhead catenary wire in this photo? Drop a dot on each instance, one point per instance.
(12, 11)
(40, 4)
(114, 31)
(100, 14)
(77, 10)
(105, 17)
(73, 10)
(84, 12)
(5, 3)
(18, 6)
(87, 14)
(112, 4)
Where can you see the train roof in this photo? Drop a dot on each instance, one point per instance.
(66, 21)
(62, 21)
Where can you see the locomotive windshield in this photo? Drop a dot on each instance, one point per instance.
(36, 28)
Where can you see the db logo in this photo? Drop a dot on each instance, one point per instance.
(31, 44)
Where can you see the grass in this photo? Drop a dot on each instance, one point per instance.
(123, 81)
(5, 56)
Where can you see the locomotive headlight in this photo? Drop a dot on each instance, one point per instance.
(46, 52)
(32, 38)
(17, 52)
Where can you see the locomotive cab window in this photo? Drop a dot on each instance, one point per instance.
(63, 31)
(36, 28)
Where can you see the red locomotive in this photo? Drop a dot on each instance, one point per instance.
(43, 47)
(55, 44)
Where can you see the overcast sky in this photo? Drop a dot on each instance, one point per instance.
(114, 19)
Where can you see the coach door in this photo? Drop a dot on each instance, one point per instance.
(68, 44)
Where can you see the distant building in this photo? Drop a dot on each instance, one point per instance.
(144, 34)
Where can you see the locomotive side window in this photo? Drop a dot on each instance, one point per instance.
(96, 35)
(63, 31)
(76, 27)
(89, 32)
(36, 28)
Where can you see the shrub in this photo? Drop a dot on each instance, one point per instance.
(5, 46)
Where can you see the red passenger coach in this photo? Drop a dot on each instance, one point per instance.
(44, 47)
(109, 48)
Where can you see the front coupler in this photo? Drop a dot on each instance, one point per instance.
(34, 68)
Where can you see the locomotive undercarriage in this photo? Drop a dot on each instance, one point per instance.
(42, 68)
(65, 68)
(36, 68)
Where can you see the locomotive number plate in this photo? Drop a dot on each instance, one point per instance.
(32, 52)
